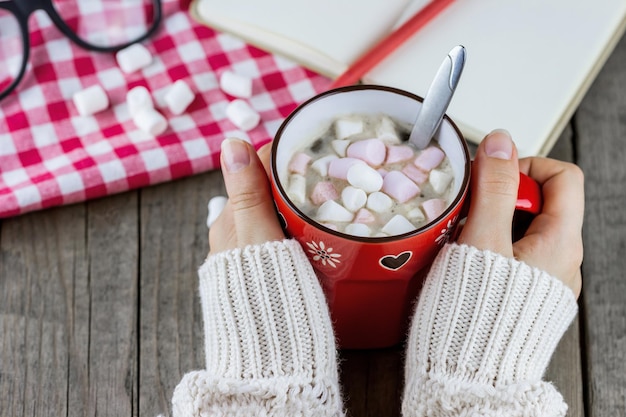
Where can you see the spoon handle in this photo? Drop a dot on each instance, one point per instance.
(438, 97)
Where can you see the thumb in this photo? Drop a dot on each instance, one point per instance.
(250, 198)
(494, 185)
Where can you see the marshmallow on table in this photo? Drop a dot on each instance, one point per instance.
(242, 115)
(91, 100)
(138, 98)
(236, 85)
(133, 58)
(398, 225)
(179, 97)
(150, 121)
(215, 206)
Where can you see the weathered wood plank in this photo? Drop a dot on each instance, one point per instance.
(601, 124)
(565, 369)
(68, 281)
(174, 243)
(41, 263)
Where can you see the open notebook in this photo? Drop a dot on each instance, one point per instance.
(529, 62)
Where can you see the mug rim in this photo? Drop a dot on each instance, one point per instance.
(367, 239)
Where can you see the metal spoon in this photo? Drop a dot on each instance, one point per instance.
(438, 98)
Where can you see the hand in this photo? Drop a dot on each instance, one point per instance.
(249, 216)
(553, 241)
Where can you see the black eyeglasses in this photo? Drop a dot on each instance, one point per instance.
(96, 25)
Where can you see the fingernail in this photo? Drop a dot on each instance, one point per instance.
(235, 154)
(498, 144)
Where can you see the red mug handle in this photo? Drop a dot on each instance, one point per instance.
(528, 195)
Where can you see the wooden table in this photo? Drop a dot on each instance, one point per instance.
(100, 314)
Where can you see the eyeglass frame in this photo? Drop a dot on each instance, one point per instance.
(23, 9)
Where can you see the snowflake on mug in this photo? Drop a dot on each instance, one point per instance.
(446, 233)
(321, 253)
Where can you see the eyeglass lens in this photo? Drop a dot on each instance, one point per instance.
(107, 23)
(11, 49)
(98, 23)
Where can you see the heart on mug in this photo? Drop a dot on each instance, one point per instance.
(395, 262)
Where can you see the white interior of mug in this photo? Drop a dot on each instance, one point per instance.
(314, 118)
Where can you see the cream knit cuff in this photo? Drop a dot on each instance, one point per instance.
(482, 335)
(269, 344)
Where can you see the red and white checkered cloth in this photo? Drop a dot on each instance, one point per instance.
(49, 155)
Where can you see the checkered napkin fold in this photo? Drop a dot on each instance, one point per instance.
(50, 155)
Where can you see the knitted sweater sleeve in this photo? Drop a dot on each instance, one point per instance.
(481, 338)
(269, 344)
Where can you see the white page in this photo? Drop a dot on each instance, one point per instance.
(340, 30)
(528, 62)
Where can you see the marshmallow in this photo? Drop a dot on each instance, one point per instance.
(91, 100)
(215, 206)
(322, 192)
(416, 214)
(297, 188)
(236, 85)
(347, 127)
(358, 229)
(379, 202)
(439, 180)
(338, 168)
(400, 187)
(399, 153)
(386, 131)
(353, 198)
(364, 216)
(133, 58)
(372, 151)
(429, 158)
(138, 98)
(242, 115)
(340, 146)
(321, 165)
(398, 225)
(415, 173)
(433, 208)
(178, 97)
(364, 177)
(331, 211)
(299, 163)
(150, 121)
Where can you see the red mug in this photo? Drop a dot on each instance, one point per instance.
(371, 282)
